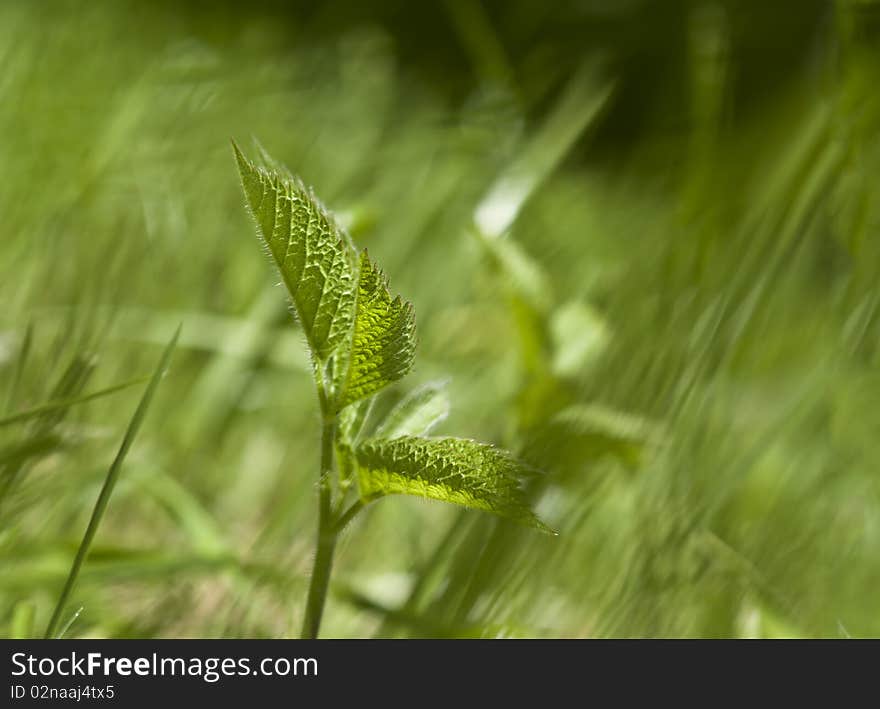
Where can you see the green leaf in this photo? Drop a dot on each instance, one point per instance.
(456, 470)
(417, 413)
(312, 253)
(383, 341)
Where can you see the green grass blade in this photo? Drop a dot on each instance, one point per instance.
(70, 621)
(22, 626)
(55, 406)
(109, 483)
(582, 102)
(18, 453)
(20, 361)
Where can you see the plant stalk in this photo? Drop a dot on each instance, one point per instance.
(327, 532)
(345, 517)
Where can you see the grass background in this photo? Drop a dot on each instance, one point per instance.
(642, 243)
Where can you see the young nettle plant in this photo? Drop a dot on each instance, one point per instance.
(362, 339)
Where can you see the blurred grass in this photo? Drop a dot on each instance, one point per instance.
(642, 243)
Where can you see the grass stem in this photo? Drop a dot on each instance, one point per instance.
(107, 489)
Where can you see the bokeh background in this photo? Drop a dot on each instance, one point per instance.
(642, 239)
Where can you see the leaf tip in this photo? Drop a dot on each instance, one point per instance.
(246, 170)
(541, 527)
(239, 156)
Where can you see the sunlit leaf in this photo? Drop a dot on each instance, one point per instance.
(383, 343)
(311, 252)
(456, 470)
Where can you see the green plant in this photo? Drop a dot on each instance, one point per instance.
(361, 340)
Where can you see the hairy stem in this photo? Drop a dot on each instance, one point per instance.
(326, 543)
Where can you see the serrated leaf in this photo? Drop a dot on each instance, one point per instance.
(383, 341)
(417, 413)
(455, 470)
(311, 251)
